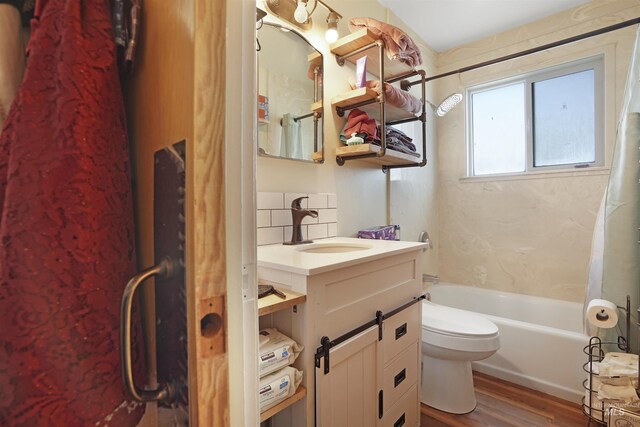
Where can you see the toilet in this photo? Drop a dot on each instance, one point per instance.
(451, 340)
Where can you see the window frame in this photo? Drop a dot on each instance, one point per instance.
(595, 63)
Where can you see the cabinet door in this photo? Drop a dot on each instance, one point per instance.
(348, 394)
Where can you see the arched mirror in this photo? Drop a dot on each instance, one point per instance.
(289, 95)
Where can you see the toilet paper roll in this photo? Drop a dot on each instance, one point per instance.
(602, 313)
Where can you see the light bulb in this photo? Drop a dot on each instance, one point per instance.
(301, 15)
(331, 35)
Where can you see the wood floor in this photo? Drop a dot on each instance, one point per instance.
(502, 404)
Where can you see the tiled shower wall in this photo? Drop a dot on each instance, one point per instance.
(274, 216)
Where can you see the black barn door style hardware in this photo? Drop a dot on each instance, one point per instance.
(326, 344)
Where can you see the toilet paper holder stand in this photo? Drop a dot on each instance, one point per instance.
(623, 342)
(595, 352)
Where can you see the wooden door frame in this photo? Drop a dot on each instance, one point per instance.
(224, 242)
(240, 162)
(206, 232)
(180, 91)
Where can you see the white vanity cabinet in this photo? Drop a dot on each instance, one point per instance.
(367, 302)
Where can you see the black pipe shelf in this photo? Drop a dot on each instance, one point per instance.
(349, 49)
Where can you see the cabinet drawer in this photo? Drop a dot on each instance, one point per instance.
(400, 375)
(405, 413)
(401, 330)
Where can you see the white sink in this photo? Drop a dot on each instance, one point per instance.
(333, 247)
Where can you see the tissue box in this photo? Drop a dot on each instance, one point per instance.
(383, 232)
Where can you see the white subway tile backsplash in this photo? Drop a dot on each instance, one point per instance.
(288, 198)
(266, 200)
(263, 218)
(327, 215)
(318, 231)
(317, 201)
(270, 235)
(332, 200)
(281, 217)
(274, 221)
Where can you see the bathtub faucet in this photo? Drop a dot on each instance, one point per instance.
(429, 278)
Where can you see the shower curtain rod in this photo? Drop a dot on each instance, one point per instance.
(535, 49)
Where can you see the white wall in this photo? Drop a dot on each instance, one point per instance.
(531, 236)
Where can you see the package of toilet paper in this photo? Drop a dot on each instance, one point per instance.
(276, 351)
(277, 386)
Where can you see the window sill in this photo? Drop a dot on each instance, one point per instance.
(595, 171)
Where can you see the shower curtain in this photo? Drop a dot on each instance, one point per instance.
(291, 144)
(66, 227)
(615, 260)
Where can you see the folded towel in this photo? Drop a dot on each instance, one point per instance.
(619, 364)
(398, 45)
(393, 145)
(598, 380)
(625, 393)
(391, 131)
(360, 123)
(399, 140)
(400, 137)
(397, 97)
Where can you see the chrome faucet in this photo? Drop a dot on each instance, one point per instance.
(298, 213)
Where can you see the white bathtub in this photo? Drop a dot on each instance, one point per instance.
(541, 339)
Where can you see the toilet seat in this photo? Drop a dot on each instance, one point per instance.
(456, 322)
(455, 329)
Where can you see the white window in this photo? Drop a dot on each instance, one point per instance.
(547, 120)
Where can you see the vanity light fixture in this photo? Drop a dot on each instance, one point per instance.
(286, 9)
(298, 13)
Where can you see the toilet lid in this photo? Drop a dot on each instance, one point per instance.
(453, 321)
